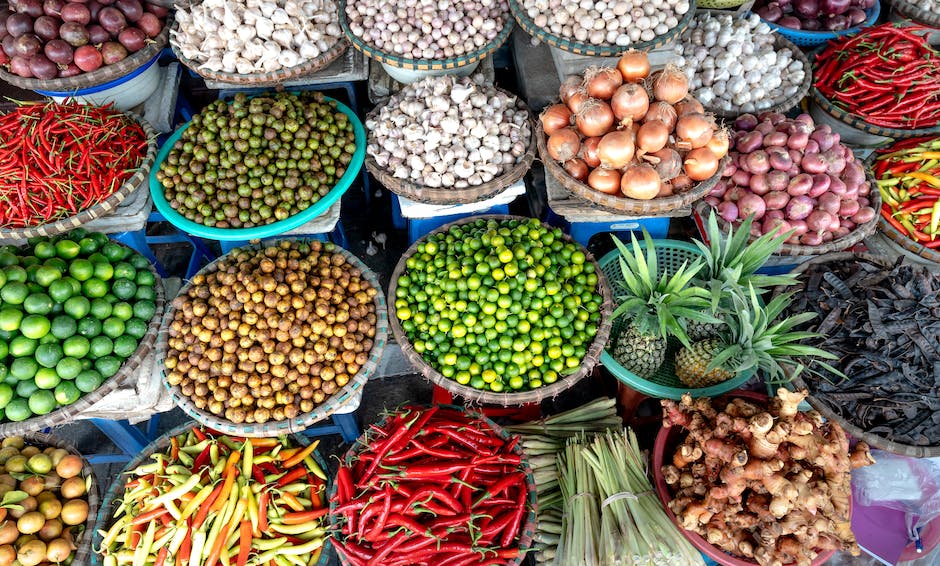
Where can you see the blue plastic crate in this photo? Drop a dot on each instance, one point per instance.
(417, 227)
(582, 232)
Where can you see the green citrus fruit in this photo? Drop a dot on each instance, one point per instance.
(77, 307)
(67, 249)
(17, 410)
(88, 381)
(76, 346)
(89, 327)
(108, 366)
(47, 378)
(101, 309)
(22, 346)
(48, 355)
(68, 368)
(112, 327)
(35, 326)
(14, 292)
(66, 393)
(100, 347)
(82, 269)
(124, 346)
(42, 402)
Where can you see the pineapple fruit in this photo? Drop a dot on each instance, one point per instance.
(692, 364)
(640, 353)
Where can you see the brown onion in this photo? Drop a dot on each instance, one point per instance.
(570, 85)
(640, 182)
(576, 100)
(665, 190)
(630, 102)
(700, 164)
(554, 118)
(634, 66)
(666, 162)
(605, 180)
(595, 118)
(564, 144)
(589, 152)
(689, 105)
(602, 82)
(652, 136)
(670, 85)
(664, 112)
(616, 149)
(695, 129)
(681, 183)
(719, 143)
(577, 168)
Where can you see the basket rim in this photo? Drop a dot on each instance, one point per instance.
(529, 526)
(422, 64)
(915, 14)
(642, 384)
(450, 196)
(872, 439)
(267, 230)
(99, 76)
(588, 49)
(339, 399)
(619, 204)
(129, 367)
(859, 123)
(137, 180)
(504, 399)
(825, 35)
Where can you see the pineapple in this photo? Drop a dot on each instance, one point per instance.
(655, 305)
(752, 338)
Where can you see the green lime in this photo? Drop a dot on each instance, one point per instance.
(87, 363)
(58, 263)
(64, 326)
(10, 319)
(47, 378)
(77, 233)
(89, 327)
(97, 258)
(35, 326)
(104, 271)
(99, 238)
(123, 311)
(88, 246)
(44, 250)
(139, 262)
(77, 307)
(76, 286)
(5, 376)
(23, 346)
(66, 393)
(60, 290)
(3, 278)
(26, 387)
(24, 368)
(31, 271)
(94, 288)
(46, 274)
(108, 366)
(42, 402)
(7, 259)
(76, 346)
(35, 288)
(124, 270)
(145, 278)
(6, 395)
(145, 294)
(115, 252)
(136, 328)
(88, 381)
(144, 310)
(30, 261)
(15, 273)
(123, 288)
(49, 339)
(101, 309)
(112, 327)
(100, 347)
(40, 303)
(4, 350)
(67, 249)
(82, 269)
(14, 292)
(17, 410)
(124, 346)
(68, 368)
(48, 355)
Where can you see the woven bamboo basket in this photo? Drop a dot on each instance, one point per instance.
(447, 196)
(345, 396)
(489, 397)
(105, 515)
(422, 64)
(858, 123)
(824, 408)
(916, 14)
(103, 208)
(623, 205)
(68, 414)
(591, 50)
(528, 527)
(720, 4)
(103, 75)
(264, 79)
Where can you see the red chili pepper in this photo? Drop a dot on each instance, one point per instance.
(292, 476)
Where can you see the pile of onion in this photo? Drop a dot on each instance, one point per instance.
(814, 15)
(48, 39)
(622, 137)
(792, 175)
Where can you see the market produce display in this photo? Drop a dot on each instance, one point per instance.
(251, 162)
(433, 486)
(621, 138)
(499, 304)
(48, 172)
(427, 29)
(207, 497)
(886, 75)
(74, 309)
(792, 174)
(758, 480)
(57, 39)
(450, 132)
(621, 23)
(814, 15)
(255, 36)
(907, 174)
(735, 64)
(882, 323)
(269, 333)
(45, 503)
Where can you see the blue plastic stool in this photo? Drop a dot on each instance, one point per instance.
(418, 227)
(337, 236)
(200, 251)
(581, 232)
(128, 438)
(346, 425)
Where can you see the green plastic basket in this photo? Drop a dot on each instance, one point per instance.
(670, 255)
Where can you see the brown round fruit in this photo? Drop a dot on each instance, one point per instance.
(58, 550)
(32, 553)
(28, 504)
(8, 532)
(33, 485)
(74, 512)
(50, 509)
(51, 530)
(72, 488)
(69, 466)
(17, 464)
(14, 441)
(31, 522)
(7, 555)
(30, 451)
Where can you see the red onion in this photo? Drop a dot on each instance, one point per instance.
(799, 207)
(814, 163)
(864, 215)
(735, 193)
(833, 7)
(771, 12)
(807, 8)
(749, 142)
(797, 140)
(758, 184)
(777, 180)
(820, 185)
(765, 128)
(757, 162)
(776, 200)
(819, 220)
(774, 117)
(741, 178)
(714, 201)
(790, 22)
(779, 158)
(775, 139)
(811, 239)
(728, 211)
(800, 185)
(745, 122)
(829, 202)
(751, 205)
(799, 228)
(775, 226)
(823, 136)
(847, 223)
(836, 186)
(849, 207)
(775, 214)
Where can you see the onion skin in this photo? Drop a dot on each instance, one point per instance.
(670, 85)
(601, 82)
(640, 182)
(616, 150)
(568, 87)
(634, 66)
(728, 211)
(689, 105)
(652, 136)
(819, 220)
(701, 164)
(605, 180)
(662, 111)
(751, 205)
(720, 143)
(630, 102)
(864, 215)
(595, 118)
(564, 145)
(554, 118)
(749, 142)
(577, 168)
(696, 129)
(589, 152)
(799, 207)
(670, 167)
(800, 185)
(776, 200)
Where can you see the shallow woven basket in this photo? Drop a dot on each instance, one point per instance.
(422, 64)
(580, 48)
(443, 195)
(128, 372)
(913, 13)
(528, 528)
(103, 208)
(623, 205)
(786, 103)
(105, 516)
(720, 4)
(824, 409)
(859, 123)
(489, 397)
(105, 74)
(265, 79)
(341, 398)
(41, 440)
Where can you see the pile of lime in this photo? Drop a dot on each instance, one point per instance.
(72, 309)
(502, 305)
